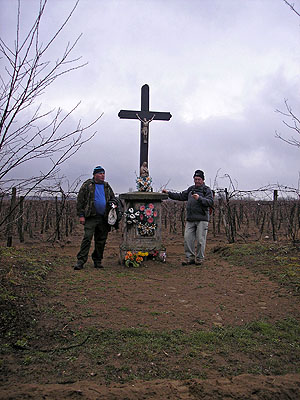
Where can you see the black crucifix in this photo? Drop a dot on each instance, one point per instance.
(145, 116)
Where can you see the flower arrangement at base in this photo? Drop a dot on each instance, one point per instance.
(156, 255)
(134, 259)
(153, 255)
(143, 184)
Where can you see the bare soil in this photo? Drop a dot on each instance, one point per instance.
(158, 297)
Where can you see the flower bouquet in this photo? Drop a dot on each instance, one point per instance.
(132, 216)
(144, 217)
(143, 184)
(146, 225)
(134, 259)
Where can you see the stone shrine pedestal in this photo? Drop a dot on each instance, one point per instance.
(144, 233)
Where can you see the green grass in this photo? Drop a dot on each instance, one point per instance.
(280, 262)
(123, 355)
(23, 277)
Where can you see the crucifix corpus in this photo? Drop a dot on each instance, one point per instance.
(145, 116)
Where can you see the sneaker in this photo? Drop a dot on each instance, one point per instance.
(78, 266)
(198, 262)
(188, 262)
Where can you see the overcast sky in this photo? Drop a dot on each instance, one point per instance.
(220, 67)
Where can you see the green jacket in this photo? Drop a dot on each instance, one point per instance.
(85, 199)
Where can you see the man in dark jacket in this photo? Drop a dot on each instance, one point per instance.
(92, 209)
(199, 199)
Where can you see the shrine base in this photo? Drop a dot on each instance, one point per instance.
(139, 236)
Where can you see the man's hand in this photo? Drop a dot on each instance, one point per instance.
(196, 196)
(82, 220)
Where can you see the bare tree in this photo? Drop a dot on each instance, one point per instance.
(27, 133)
(294, 123)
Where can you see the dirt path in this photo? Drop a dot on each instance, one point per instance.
(161, 297)
(243, 387)
(166, 296)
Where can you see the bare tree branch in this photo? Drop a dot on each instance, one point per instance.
(292, 7)
(27, 134)
(295, 126)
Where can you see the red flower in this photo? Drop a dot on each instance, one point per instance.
(155, 213)
(148, 212)
(150, 220)
(141, 217)
(142, 208)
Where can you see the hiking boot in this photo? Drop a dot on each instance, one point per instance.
(98, 265)
(78, 266)
(198, 262)
(188, 262)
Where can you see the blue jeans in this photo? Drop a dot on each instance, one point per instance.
(195, 239)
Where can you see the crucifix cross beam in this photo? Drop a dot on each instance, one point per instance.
(145, 116)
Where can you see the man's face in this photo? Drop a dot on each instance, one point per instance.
(99, 177)
(198, 181)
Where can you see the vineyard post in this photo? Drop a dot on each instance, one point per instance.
(57, 220)
(20, 220)
(67, 209)
(230, 228)
(213, 216)
(220, 217)
(273, 215)
(10, 219)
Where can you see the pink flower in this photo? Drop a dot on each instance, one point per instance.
(142, 208)
(151, 205)
(155, 213)
(150, 220)
(141, 217)
(148, 212)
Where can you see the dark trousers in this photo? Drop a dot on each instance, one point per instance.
(97, 227)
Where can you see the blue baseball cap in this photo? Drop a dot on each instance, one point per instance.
(98, 169)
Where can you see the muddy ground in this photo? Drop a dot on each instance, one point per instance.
(157, 297)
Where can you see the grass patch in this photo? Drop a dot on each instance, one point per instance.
(120, 356)
(22, 279)
(280, 262)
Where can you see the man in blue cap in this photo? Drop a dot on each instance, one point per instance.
(92, 209)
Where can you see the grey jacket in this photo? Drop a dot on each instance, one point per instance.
(196, 210)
